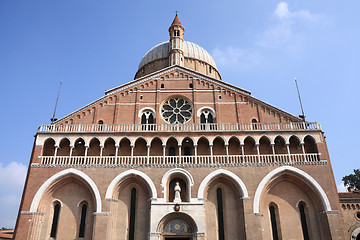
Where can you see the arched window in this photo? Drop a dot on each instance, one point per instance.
(254, 124)
(206, 120)
(273, 218)
(220, 214)
(55, 220)
(147, 119)
(132, 214)
(82, 220)
(303, 221)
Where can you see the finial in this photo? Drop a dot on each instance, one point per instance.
(176, 12)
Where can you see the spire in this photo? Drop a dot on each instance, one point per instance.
(176, 32)
(176, 20)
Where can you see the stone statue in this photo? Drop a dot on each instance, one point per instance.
(177, 190)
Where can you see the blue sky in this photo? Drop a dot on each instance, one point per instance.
(97, 45)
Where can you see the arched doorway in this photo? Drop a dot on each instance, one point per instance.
(177, 226)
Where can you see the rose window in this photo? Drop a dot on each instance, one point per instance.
(176, 110)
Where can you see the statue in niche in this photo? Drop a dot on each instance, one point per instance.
(177, 190)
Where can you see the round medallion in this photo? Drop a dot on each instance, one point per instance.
(176, 110)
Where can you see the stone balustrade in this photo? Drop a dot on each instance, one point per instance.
(188, 127)
(159, 161)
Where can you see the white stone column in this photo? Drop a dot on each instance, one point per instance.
(211, 153)
(258, 150)
(273, 151)
(101, 150)
(71, 150)
(164, 153)
(195, 154)
(227, 152)
(86, 152)
(148, 154)
(242, 152)
(116, 153)
(132, 154)
(179, 147)
(288, 151)
(56, 149)
(303, 150)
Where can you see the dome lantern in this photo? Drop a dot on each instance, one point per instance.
(178, 52)
(176, 32)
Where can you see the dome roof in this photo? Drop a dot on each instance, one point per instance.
(191, 50)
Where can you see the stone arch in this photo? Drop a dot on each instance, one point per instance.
(49, 146)
(227, 173)
(219, 136)
(210, 109)
(64, 138)
(141, 137)
(180, 171)
(152, 110)
(203, 145)
(281, 136)
(126, 137)
(157, 137)
(174, 137)
(176, 215)
(311, 136)
(58, 176)
(297, 172)
(87, 143)
(295, 136)
(123, 175)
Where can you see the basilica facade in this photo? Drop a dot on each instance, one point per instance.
(178, 153)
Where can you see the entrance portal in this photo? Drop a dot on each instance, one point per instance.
(177, 229)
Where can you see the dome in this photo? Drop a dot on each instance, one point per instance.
(191, 50)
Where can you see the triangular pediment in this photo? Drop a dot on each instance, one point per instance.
(152, 82)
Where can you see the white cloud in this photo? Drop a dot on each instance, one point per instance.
(12, 175)
(288, 31)
(341, 187)
(282, 12)
(12, 178)
(235, 56)
(286, 34)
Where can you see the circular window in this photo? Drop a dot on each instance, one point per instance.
(176, 110)
(357, 215)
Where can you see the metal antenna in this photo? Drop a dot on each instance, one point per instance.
(302, 109)
(53, 119)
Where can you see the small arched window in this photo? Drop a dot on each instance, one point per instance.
(55, 220)
(304, 227)
(254, 124)
(132, 214)
(147, 119)
(220, 214)
(162, 86)
(206, 120)
(274, 224)
(82, 220)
